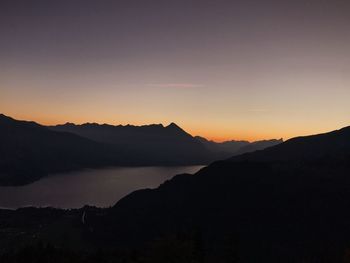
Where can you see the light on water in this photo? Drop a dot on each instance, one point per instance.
(102, 188)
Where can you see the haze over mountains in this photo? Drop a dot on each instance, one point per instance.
(230, 148)
(30, 151)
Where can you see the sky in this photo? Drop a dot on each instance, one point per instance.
(250, 69)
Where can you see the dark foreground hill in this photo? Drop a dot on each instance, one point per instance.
(288, 203)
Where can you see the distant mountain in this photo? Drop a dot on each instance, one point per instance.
(231, 148)
(146, 145)
(121, 135)
(287, 202)
(226, 147)
(29, 151)
(258, 145)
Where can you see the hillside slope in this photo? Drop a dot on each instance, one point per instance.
(29, 151)
(288, 201)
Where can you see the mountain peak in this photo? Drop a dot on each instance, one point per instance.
(173, 125)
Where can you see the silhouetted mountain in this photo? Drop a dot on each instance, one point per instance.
(148, 144)
(29, 151)
(226, 147)
(287, 203)
(332, 146)
(156, 144)
(258, 145)
(290, 201)
(230, 148)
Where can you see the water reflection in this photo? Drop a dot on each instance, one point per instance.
(103, 187)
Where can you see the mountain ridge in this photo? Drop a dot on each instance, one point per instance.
(275, 203)
(275, 209)
(30, 151)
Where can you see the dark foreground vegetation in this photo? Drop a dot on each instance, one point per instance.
(287, 203)
(57, 236)
(171, 249)
(53, 235)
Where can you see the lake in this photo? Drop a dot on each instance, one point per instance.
(102, 187)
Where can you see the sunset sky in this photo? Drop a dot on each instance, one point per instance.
(220, 69)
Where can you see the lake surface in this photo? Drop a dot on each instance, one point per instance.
(102, 187)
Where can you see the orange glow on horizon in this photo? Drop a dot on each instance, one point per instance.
(279, 77)
(212, 135)
(218, 134)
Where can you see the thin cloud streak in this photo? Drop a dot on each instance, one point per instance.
(177, 85)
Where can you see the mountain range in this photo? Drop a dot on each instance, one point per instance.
(286, 203)
(30, 151)
(157, 142)
(230, 148)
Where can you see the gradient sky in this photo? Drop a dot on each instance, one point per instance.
(221, 69)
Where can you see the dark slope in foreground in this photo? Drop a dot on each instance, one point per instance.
(333, 146)
(29, 151)
(290, 202)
